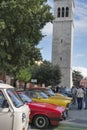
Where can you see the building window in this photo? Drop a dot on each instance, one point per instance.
(61, 40)
(58, 12)
(63, 12)
(67, 11)
(60, 58)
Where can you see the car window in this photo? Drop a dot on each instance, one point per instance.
(3, 101)
(24, 97)
(2, 98)
(36, 94)
(51, 92)
(31, 94)
(15, 98)
(41, 94)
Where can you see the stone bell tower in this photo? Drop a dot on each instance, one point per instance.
(62, 46)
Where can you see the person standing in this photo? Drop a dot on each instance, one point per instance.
(74, 92)
(85, 98)
(80, 96)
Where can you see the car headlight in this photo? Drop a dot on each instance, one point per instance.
(23, 117)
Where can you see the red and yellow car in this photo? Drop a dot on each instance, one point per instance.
(39, 95)
(42, 114)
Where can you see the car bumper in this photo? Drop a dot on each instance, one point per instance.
(55, 121)
(63, 117)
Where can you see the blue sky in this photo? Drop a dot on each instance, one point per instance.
(79, 58)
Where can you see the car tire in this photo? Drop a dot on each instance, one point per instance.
(41, 121)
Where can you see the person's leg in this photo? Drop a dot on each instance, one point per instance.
(75, 100)
(78, 101)
(86, 102)
(81, 103)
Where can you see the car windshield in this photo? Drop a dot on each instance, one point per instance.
(41, 94)
(36, 94)
(50, 92)
(25, 98)
(15, 98)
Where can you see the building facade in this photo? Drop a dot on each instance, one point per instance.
(62, 46)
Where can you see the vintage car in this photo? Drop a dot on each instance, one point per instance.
(40, 96)
(14, 114)
(50, 92)
(66, 91)
(43, 114)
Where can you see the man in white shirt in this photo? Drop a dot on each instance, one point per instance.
(80, 96)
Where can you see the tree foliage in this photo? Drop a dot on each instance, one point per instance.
(77, 76)
(46, 73)
(23, 75)
(21, 22)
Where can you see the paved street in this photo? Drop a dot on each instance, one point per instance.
(77, 120)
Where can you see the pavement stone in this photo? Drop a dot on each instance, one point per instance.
(77, 117)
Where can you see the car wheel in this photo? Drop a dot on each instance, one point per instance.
(41, 121)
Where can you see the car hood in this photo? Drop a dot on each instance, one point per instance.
(61, 97)
(46, 106)
(58, 100)
(50, 100)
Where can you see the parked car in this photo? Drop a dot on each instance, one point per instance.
(43, 114)
(66, 91)
(40, 96)
(14, 114)
(51, 93)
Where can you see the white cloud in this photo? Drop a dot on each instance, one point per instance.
(83, 70)
(79, 55)
(80, 17)
(51, 3)
(47, 30)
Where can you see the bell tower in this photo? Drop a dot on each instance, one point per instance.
(62, 46)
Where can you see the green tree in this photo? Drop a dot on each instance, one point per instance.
(21, 22)
(77, 76)
(23, 75)
(46, 73)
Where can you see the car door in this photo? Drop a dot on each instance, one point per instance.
(6, 116)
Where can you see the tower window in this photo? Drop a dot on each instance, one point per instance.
(63, 12)
(60, 58)
(58, 12)
(67, 11)
(61, 40)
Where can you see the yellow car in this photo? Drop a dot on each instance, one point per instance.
(59, 95)
(49, 92)
(40, 96)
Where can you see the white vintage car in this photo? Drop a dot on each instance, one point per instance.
(14, 114)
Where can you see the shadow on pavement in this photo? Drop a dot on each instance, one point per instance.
(49, 128)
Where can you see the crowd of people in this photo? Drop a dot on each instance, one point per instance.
(79, 95)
